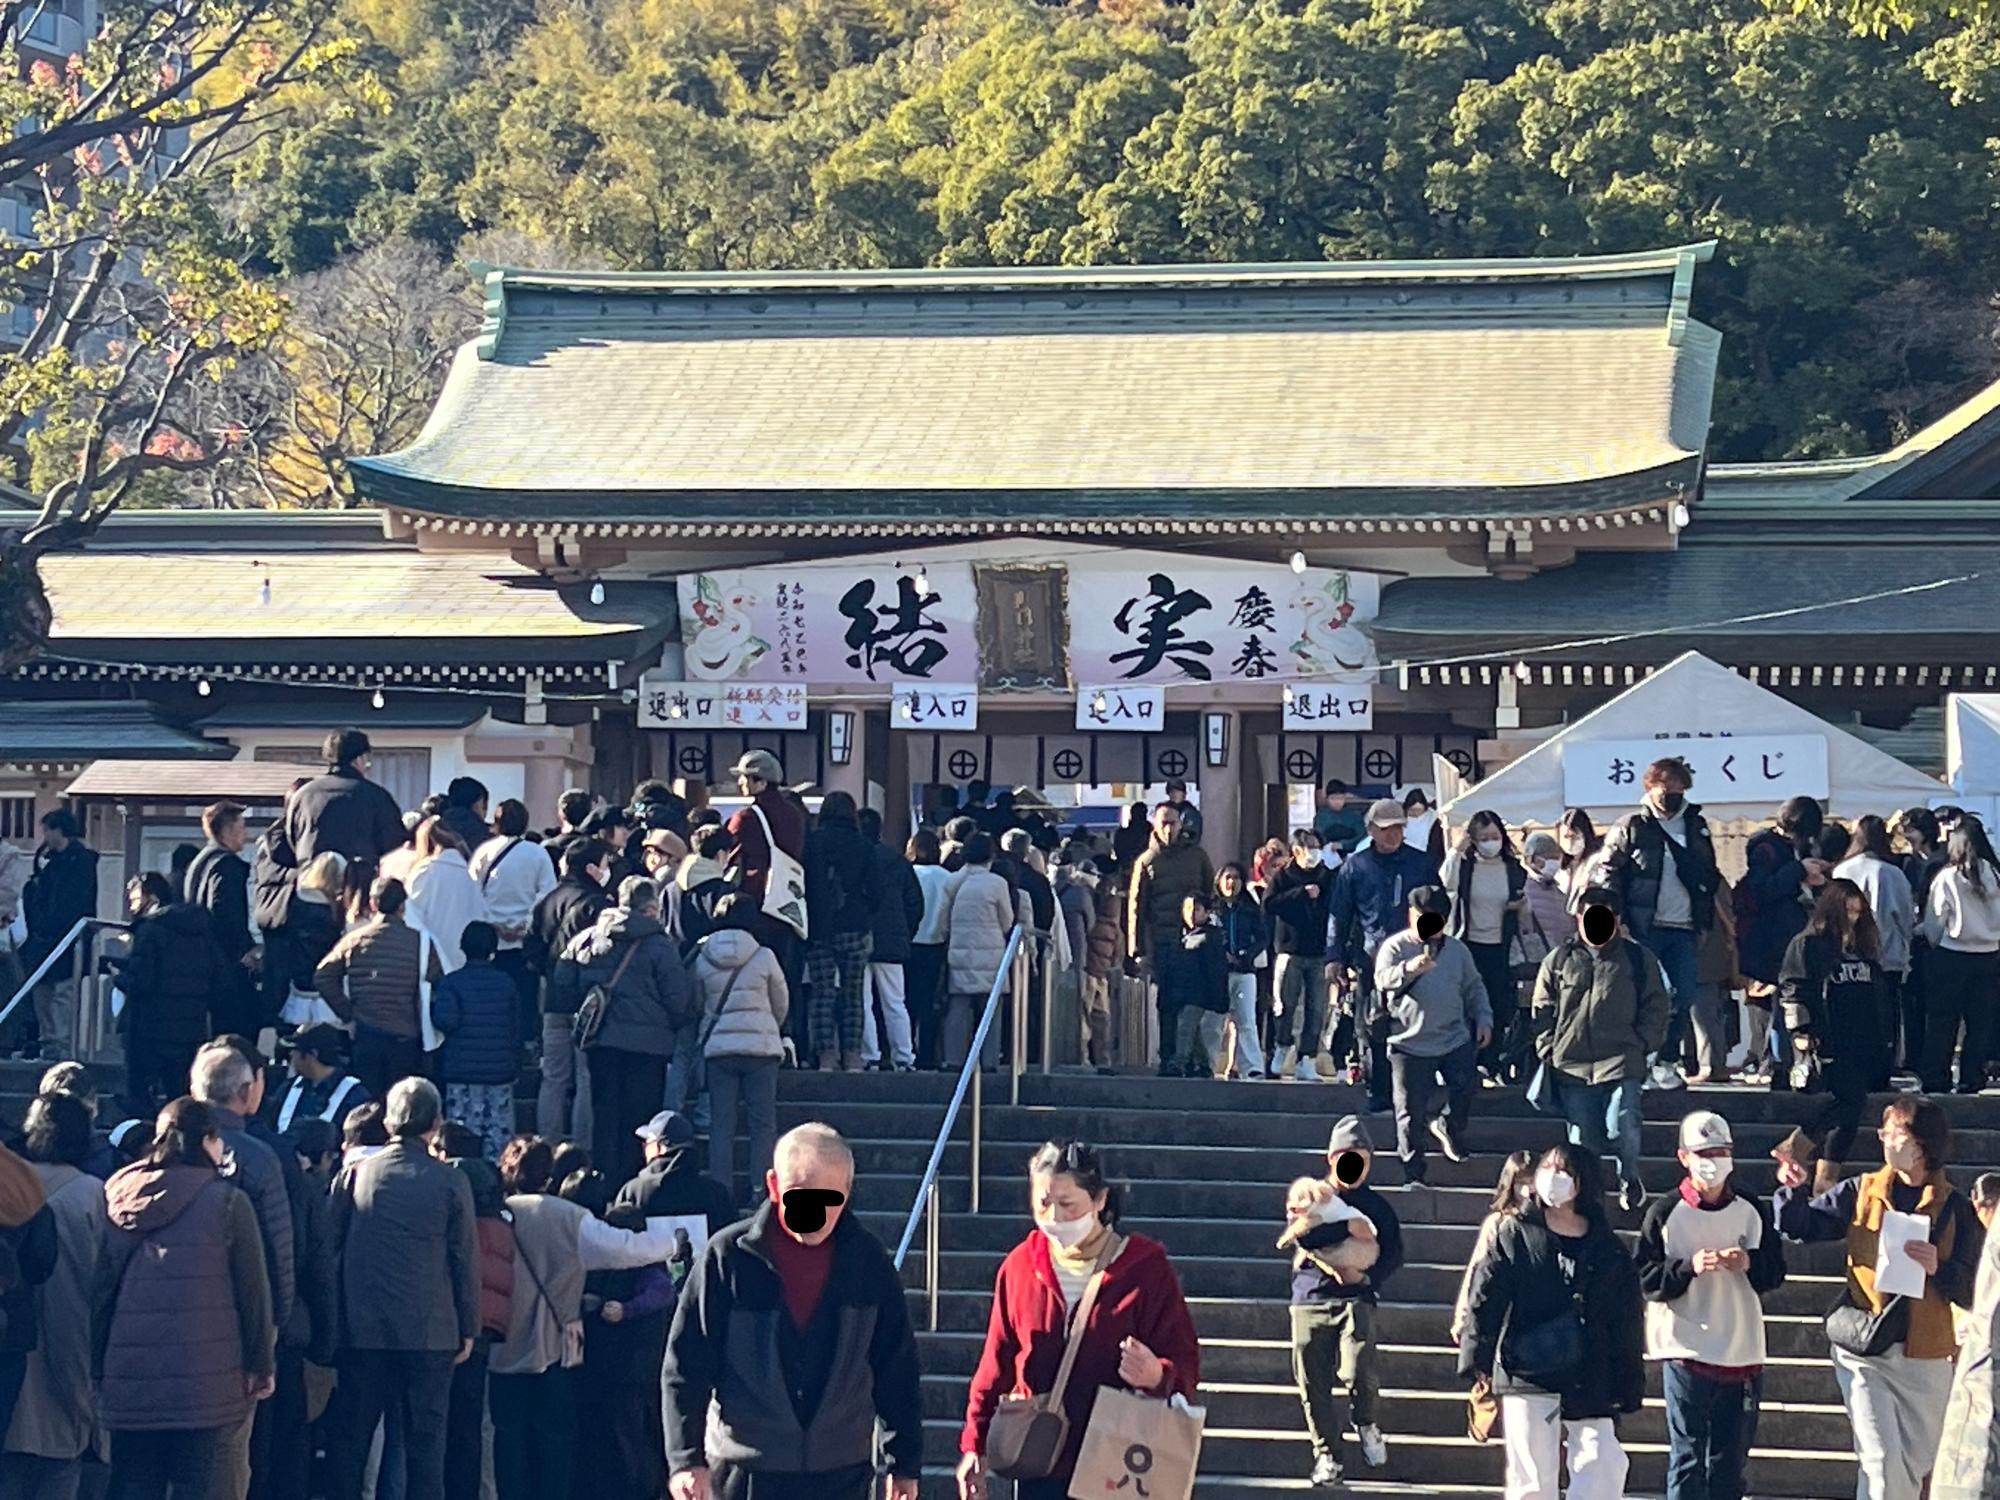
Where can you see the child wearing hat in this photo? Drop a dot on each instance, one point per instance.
(1707, 1254)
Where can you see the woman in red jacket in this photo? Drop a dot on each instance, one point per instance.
(1139, 1334)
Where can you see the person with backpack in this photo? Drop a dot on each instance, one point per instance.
(1661, 862)
(1781, 881)
(475, 1010)
(513, 875)
(1600, 1009)
(631, 995)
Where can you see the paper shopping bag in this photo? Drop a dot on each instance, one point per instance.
(1136, 1448)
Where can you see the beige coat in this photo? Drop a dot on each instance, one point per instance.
(1968, 1466)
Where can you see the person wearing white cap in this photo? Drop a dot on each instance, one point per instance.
(1371, 897)
(1707, 1254)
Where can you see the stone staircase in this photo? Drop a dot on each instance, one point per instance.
(1205, 1165)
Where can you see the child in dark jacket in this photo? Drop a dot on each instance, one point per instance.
(474, 1009)
(1194, 987)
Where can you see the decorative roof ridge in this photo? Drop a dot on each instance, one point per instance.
(1676, 260)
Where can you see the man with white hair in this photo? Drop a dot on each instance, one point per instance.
(231, 1085)
(794, 1325)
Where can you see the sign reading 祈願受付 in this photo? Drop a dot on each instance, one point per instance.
(1135, 710)
(1763, 769)
(1330, 705)
(939, 705)
(720, 705)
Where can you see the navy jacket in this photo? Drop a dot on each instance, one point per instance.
(1371, 898)
(1243, 932)
(474, 1008)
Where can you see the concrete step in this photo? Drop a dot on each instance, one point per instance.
(1421, 1413)
(1287, 1453)
(1430, 1367)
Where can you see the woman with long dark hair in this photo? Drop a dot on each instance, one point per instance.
(1962, 974)
(1582, 849)
(1555, 1322)
(1138, 1334)
(1488, 885)
(1836, 1004)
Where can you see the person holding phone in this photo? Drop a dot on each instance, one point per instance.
(1441, 1016)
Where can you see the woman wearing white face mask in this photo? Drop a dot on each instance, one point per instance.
(1136, 1333)
(1554, 1323)
(1489, 894)
(1893, 1356)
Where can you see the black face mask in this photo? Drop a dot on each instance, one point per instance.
(1672, 802)
(1600, 925)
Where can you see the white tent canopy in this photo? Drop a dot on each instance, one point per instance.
(1694, 697)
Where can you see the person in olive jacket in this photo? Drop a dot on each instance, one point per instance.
(1556, 1324)
(1601, 1006)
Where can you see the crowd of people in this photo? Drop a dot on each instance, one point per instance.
(375, 1212)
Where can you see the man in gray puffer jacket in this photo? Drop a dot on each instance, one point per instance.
(629, 959)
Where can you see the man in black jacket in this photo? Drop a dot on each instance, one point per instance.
(218, 882)
(61, 891)
(797, 1387)
(899, 912)
(343, 810)
(1660, 861)
(571, 908)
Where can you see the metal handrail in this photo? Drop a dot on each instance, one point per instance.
(968, 1078)
(83, 925)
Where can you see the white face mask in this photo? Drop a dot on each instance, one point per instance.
(1488, 848)
(1552, 867)
(1554, 1188)
(1068, 1233)
(1711, 1171)
(1306, 859)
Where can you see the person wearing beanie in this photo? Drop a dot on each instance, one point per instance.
(1333, 1318)
(1707, 1255)
(1439, 1016)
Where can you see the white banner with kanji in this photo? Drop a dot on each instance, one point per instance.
(868, 621)
(668, 704)
(1759, 768)
(1159, 617)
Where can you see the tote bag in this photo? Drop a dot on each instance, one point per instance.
(785, 885)
(1137, 1446)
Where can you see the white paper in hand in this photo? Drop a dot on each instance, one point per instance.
(1896, 1275)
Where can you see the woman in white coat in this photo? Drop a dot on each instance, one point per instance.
(984, 908)
(443, 895)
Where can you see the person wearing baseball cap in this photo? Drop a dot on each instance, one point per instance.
(1333, 1320)
(321, 1087)
(771, 817)
(1371, 896)
(1707, 1255)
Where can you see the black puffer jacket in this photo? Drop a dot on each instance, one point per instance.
(1769, 908)
(346, 812)
(652, 997)
(1520, 1290)
(62, 889)
(841, 886)
(899, 905)
(1635, 861)
(174, 975)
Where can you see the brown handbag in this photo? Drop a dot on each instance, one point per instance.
(1027, 1435)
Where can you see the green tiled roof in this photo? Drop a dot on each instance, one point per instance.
(69, 731)
(1682, 593)
(1427, 389)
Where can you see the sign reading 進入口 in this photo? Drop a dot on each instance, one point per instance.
(1118, 617)
(1133, 710)
(935, 705)
(1763, 769)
